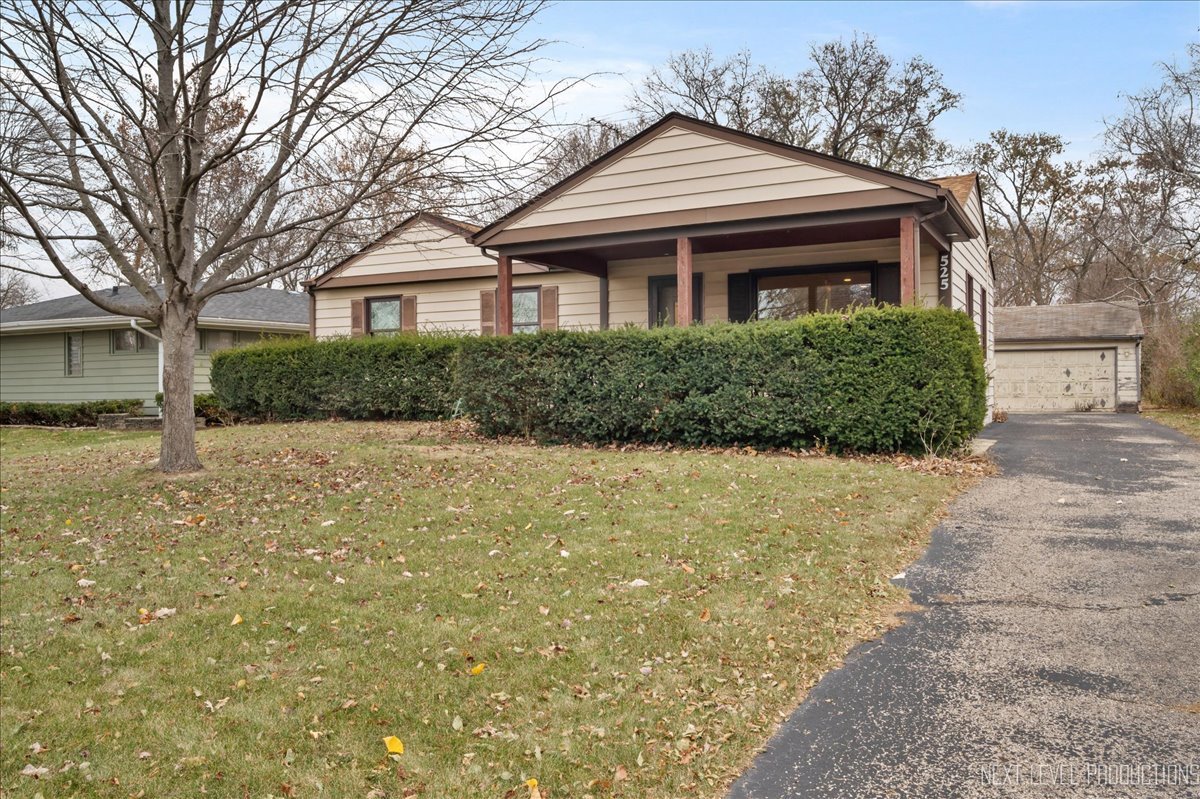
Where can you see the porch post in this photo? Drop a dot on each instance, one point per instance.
(910, 260)
(683, 281)
(504, 315)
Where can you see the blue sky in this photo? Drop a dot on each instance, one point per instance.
(1058, 67)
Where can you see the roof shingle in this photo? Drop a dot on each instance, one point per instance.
(1084, 320)
(252, 305)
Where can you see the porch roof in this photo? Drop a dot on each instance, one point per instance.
(685, 177)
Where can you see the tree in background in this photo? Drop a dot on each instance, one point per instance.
(200, 135)
(15, 289)
(854, 102)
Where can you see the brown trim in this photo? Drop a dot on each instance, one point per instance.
(655, 283)
(408, 313)
(657, 223)
(356, 317)
(604, 303)
(970, 298)
(312, 311)
(424, 275)
(489, 235)
(983, 320)
(940, 242)
(684, 305)
(444, 222)
(487, 312)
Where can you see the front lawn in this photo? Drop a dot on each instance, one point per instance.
(610, 623)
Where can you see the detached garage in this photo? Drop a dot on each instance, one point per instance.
(1078, 357)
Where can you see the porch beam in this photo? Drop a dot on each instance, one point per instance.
(941, 242)
(504, 296)
(683, 281)
(910, 259)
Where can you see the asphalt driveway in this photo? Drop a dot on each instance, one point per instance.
(1057, 653)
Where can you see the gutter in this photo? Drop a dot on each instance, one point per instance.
(109, 322)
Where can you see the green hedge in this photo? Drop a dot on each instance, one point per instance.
(876, 380)
(64, 414)
(206, 406)
(400, 377)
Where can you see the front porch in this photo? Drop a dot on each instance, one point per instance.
(753, 270)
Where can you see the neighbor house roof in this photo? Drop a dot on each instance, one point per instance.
(959, 185)
(907, 188)
(257, 307)
(1084, 320)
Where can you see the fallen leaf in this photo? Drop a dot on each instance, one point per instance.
(237, 619)
(394, 745)
(705, 615)
(477, 669)
(621, 774)
(457, 723)
(37, 772)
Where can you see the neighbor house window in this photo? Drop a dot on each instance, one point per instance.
(787, 296)
(217, 340)
(74, 354)
(383, 316)
(128, 340)
(664, 298)
(527, 316)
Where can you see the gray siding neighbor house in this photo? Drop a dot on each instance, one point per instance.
(68, 350)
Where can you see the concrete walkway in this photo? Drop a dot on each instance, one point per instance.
(1058, 654)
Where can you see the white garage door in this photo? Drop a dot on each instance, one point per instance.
(1056, 380)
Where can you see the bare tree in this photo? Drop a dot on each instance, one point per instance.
(15, 289)
(1033, 200)
(131, 103)
(853, 102)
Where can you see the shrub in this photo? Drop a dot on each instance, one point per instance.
(206, 406)
(876, 380)
(64, 414)
(400, 377)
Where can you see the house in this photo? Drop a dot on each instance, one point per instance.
(1086, 356)
(69, 350)
(685, 222)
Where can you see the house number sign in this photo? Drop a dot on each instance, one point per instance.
(944, 283)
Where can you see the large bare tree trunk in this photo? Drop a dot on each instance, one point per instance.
(178, 451)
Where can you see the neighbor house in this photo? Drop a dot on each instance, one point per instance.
(69, 350)
(685, 222)
(1081, 357)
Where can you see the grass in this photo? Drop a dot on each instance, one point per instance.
(1185, 420)
(473, 599)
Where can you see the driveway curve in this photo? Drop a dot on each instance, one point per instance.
(1057, 650)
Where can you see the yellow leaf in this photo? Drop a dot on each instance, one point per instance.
(533, 789)
(478, 668)
(237, 619)
(394, 745)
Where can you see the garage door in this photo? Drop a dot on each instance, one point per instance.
(1056, 380)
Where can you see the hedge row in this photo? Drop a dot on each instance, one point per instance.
(206, 406)
(876, 380)
(64, 414)
(401, 377)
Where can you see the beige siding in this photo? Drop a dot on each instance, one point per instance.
(1056, 376)
(684, 170)
(419, 247)
(629, 301)
(453, 305)
(971, 257)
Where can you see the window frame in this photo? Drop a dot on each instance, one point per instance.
(205, 333)
(970, 287)
(654, 286)
(536, 291)
(139, 343)
(368, 301)
(871, 267)
(67, 353)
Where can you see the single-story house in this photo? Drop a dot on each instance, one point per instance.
(69, 350)
(685, 222)
(1086, 356)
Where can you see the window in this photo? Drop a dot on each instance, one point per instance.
(128, 340)
(787, 296)
(971, 297)
(383, 316)
(527, 312)
(74, 355)
(664, 297)
(217, 340)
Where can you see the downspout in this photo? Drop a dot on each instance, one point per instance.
(134, 324)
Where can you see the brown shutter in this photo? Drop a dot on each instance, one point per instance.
(487, 312)
(408, 312)
(356, 317)
(549, 308)
(983, 320)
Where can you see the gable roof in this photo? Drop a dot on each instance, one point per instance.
(262, 306)
(959, 185)
(1083, 320)
(455, 226)
(893, 187)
